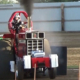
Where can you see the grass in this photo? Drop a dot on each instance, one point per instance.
(72, 67)
(73, 56)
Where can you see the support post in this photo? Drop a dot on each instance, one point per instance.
(79, 72)
(62, 17)
(35, 72)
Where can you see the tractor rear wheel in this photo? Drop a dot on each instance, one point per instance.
(32, 73)
(47, 48)
(52, 73)
(20, 75)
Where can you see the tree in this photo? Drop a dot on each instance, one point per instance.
(5, 2)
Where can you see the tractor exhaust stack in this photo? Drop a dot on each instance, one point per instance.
(28, 6)
(29, 23)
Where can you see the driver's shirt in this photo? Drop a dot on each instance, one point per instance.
(16, 26)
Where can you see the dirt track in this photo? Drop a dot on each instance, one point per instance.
(71, 75)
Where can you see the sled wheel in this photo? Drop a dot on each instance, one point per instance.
(52, 73)
(20, 75)
(47, 48)
(32, 73)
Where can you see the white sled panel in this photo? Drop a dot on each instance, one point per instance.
(27, 62)
(54, 60)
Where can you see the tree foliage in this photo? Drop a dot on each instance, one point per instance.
(5, 2)
(37, 1)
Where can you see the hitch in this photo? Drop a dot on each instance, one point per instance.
(42, 64)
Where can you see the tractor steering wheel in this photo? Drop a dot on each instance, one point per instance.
(25, 22)
(24, 25)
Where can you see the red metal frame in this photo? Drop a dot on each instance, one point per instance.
(20, 49)
(46, 60)
(8, 36)
(12, 17)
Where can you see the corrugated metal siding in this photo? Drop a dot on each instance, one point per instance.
(47, 16)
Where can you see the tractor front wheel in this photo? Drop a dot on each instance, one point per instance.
(32, 73)
(52, 73)
(20, 75)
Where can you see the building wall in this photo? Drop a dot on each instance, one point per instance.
(46, 16)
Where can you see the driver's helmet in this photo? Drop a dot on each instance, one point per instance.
(17, 18)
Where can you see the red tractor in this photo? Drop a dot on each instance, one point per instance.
(32, 49)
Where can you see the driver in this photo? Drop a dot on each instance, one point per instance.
(17, 24)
